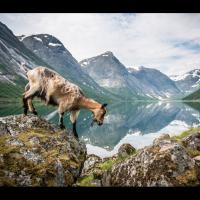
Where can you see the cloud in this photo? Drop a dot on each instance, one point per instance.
(167, 42)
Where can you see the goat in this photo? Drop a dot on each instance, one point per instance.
(55, 90)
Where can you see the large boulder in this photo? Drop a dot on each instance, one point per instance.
(192, 142)
(165, 163)
(126, 150)
(35, 153)
(90, 162)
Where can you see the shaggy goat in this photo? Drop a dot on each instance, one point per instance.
(55, 90)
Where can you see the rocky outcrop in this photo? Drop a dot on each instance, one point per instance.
(192, 142)
(35, 153)
(167, 162)
(126, 150)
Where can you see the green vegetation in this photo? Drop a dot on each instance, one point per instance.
(10, 91)
(193, 153)
(186, 133)
(100, 168)
(194, 105)
(193, 96)
(35, 140)
(107, 165)
(3, 69)
(85, 181)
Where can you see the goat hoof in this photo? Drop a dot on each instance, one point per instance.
(35, 113)
(76, 136)
(62, 126)
(25, 112)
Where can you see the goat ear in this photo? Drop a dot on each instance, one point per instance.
(104, 105)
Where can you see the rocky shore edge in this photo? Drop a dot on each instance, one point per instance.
(33, 152)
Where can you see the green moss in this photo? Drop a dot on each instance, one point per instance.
(107, 165)
(193, 153)
(186, 133)
(85, 181)
(5, 148)
(5, 181)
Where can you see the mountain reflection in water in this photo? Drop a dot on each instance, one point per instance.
(137, 123)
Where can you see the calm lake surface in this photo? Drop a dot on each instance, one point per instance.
(137, 123)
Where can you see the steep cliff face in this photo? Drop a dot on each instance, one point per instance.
(12, 54)
(35, 153)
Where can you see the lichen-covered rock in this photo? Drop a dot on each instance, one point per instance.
(161, 137)
(90, 162)
(166, 163)
(192, 143)
(96, 171)
(126, 150)
(15, 124)
(35, 153)
(197, 160)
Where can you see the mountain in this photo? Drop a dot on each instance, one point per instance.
(12, 54)
(194, 96)
(154, 83)
(188, 82)
(53, 52)
(110, 73)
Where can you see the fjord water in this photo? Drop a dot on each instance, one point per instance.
(137, 123)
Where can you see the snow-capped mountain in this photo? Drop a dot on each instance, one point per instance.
(53, 52)
(188, 82)
(154, 83)
(110, 73)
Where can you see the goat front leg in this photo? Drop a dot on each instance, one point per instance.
(73, 118)
(25, 105)
(61, 124)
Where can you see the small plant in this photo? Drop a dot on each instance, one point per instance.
(85, 181)
(186, 133)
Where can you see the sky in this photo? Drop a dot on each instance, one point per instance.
(169, 42)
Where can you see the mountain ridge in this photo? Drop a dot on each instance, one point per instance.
(110, 73)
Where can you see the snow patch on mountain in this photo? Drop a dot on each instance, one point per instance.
(55, 45)
(188, 82)
(37, 38)
(179, 77)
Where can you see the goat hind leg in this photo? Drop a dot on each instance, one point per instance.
(31, 107)
(73, 117)
(28, 94)
(25, 103)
